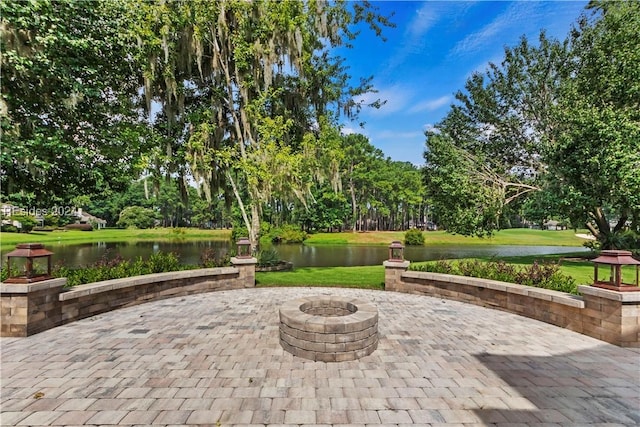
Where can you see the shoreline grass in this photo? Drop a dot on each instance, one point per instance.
(8, 241)
(514, 236)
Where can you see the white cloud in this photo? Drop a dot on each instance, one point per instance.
(422, 21)
(430, 127)
(389, 134)
(347, 129)
(431, 104)
(397, 97)
(413, 39)
(513, 18)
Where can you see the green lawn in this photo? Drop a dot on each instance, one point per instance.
(8, 241)
(372, 277)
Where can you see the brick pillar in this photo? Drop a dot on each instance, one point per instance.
(393, 274)
(611, 316)
(30, 308)
(247, 271)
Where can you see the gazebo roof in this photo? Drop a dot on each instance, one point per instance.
(29, 250)
(616, 258)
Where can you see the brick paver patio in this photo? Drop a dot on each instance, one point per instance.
(216, 359)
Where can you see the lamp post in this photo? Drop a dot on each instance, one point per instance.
(27, 259)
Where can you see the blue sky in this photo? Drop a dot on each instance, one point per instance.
(428, 57)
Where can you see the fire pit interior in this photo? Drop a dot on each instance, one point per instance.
(329, 329)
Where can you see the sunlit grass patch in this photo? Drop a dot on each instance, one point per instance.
(369, 277)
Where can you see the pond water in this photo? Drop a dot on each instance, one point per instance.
(300, 255)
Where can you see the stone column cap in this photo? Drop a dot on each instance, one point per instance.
(631, 297)
(243, 261)
(396, 264)
(25, 288)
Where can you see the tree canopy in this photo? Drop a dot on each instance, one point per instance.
(249, 92)
(559, 118)
(240, 98)
(67, 112)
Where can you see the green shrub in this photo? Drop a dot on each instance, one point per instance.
(51, 220)
(239, 229)
(210, 258)
(108, 268)
(136, 217)
(414, 237)
(496, 270)
(8, 228)
(287, 233)
(268, 257)
(81, 227)
(265, 242)
(441, 266)
(547, 275)
(160, 262)
(26, 221)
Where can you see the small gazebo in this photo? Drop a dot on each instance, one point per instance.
(29, 263)
(616, 260)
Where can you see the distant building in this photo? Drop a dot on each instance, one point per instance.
(7, 210)
(554, 225)
(87, 218)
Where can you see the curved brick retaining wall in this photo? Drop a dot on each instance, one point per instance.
(607, 315)
(31, 308)
(329, 329)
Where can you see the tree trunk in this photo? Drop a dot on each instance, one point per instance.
(621, 223)
(352, 190)
(635, 223)
(243, 211)
(254, 231)
(601, 226)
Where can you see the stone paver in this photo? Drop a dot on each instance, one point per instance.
(216, 359)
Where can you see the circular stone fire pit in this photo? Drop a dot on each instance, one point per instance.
(329, 329)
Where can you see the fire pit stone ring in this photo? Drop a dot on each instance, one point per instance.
(328, 328)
